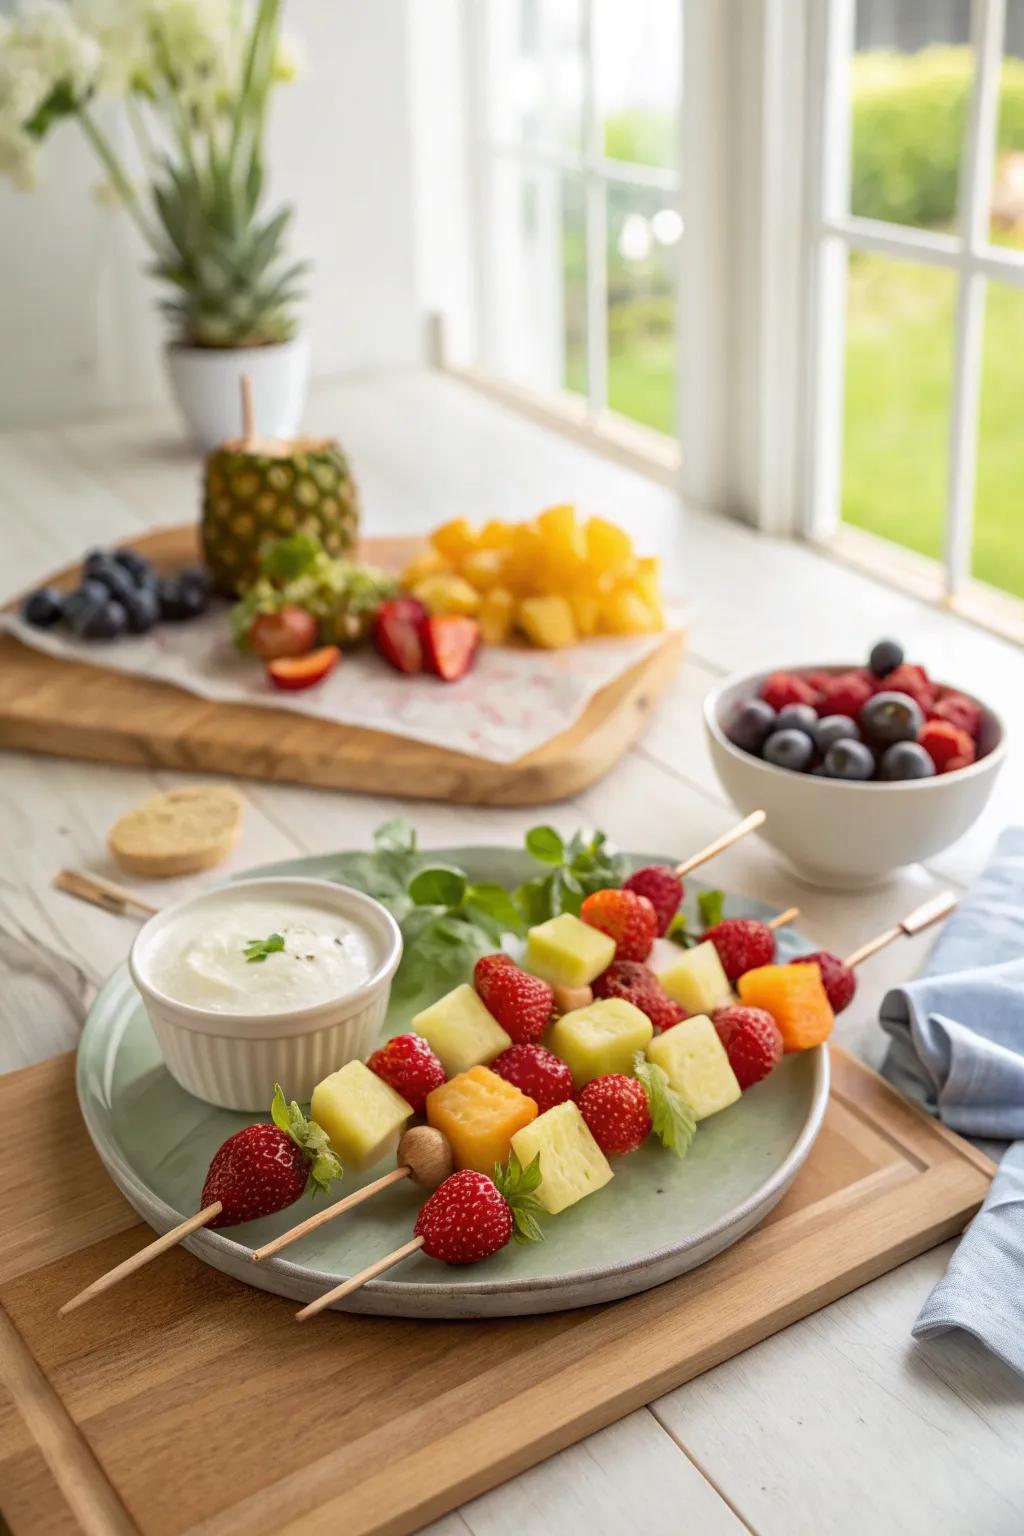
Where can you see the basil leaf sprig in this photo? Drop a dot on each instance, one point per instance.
(573, 871)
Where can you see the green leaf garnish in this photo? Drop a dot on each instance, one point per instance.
(439, 885)
(324, 1163)
(672, 1119)
(282, 560)
(576, 869)
(257, 950)
(711, 906)
(518, 1186)
(545, 845)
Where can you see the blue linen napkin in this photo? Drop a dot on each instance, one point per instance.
(957, 1048)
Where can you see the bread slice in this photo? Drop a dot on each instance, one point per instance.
(178, 833)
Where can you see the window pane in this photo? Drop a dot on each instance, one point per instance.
(643, 231)
(1007, 223)
(637, 74)
(999, 498)
(899, 349)
(574, 283)
(909, 87)
(535, 72)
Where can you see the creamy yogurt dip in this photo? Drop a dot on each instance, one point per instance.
(200, 958)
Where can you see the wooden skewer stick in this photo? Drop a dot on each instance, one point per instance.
(783, 918)
(915, 922)
(101, 893)
(348, 1286)
(748, 824)
(138, 1260)
(329, 1212)
(248, 414)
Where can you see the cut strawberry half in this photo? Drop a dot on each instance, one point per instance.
(399, 633)
(294, 672)
(449, 644)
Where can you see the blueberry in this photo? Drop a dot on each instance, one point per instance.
(906, 760)
(44, 608)
(886, 656)
(93, 618)
(93, 589)
(833, 728)
(798, 717)
(118, 582)
(143, 609)
(97, 561)
(890, 717)
(849, 760)
(194, 576)
(181, 600)
(789, 749)
(137, 566)
(751, 724)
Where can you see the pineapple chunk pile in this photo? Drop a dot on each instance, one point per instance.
(552, 581)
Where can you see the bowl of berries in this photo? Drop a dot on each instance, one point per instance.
(861, 769)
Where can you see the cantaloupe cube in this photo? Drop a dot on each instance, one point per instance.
(479, 1113)
(495, 615)
(603, 1037)
(609, 548)
(572, 1164)
(361, 1114)
(696, 980)
(447, 593)
(547, 621)
(799, 1007)
(696, 1064)
(624, 612)
(567, 952)
(461, 1031)
(454, 539)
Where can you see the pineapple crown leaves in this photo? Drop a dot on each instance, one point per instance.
(672, 1119)
(324, 1164)
(517, 1186)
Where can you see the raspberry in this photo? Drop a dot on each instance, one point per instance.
(663, 889)
(913, 680)
(632, 981)
(784, 688)
(521, 1003)
(743, 944)
(617, 1113)
(960, 711)
(626, 917)
(845, 694)
(945, 743)
(410, 1067)
(539, 1073)
(752, 1042)
(836, 977)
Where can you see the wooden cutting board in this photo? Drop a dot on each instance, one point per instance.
(69, 710)
(184, 1402)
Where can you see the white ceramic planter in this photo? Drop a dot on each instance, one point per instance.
(205, 381)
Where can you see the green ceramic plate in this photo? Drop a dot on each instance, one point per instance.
(658, 1217)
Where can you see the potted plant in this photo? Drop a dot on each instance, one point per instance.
(193, 79)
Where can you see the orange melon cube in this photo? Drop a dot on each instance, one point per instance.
(454, 539)
(480, 1113)
(799, 1007)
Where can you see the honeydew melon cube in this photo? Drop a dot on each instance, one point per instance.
(567, 952)
(694, 1059)
(572, 1164)
(695, 979)
(361, 1114)
(461, 1030)
(603, 1037)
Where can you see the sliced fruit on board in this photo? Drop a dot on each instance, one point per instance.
(479, 1112)
(450, 644)
(461, 1030)
(398, 633)
(572, 1164)
(293, 673)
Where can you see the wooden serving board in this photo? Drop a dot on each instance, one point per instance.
(67, 709)
(184, 1402)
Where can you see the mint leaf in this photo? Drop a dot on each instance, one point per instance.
(517, 1186)
(545, 845)
(711, 906)
(325, 1165)
(438, 885)
(257, 950)
(395, 836)
(672, 1119)
(492, 908)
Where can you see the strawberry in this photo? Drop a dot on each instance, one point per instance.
(743, 944)
(958, 710)
(836, 977)
(663, 889)
(626, 917)
(615, 1109)
(752, 1040)
(410, 1067)
(946, 743)
(911, 679)
(398, 632)
(450, 644)
(470, 1217)
(521, 1003)
(845, 694)
(263, 1168)
(953, 763)
(784, 688)
(295, 672)
(639, 985)
(539, 1073)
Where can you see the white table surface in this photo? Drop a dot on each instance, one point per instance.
(840, 1423)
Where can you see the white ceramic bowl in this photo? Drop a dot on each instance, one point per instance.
(848, 835)
(234, 1059)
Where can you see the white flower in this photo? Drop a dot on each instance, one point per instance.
(123, 31)
(18, 157)
(44, 40)
(199, 43)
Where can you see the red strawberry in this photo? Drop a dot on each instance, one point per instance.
(450, 643)
(836, 977)
(626, 917)
(539, 1073)
(952, 763)
(398, 633)
(959, 710)
(743, 944)
(410, 1067)
(663, 889)
(944, 742)
(469, 1217)
(784, 688)
(845, 694)
(908, 678)
(521, 1003)
(617, 1114)
(639, 985)
(263, 1168)
(294, 672)
(752, 1040)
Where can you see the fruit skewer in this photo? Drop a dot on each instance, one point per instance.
(748, 824)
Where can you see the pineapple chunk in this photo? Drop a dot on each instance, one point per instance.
(585, 613)
(496, 535)
(461, 1031)
(695, 980)
(361, 1114)
(430, 563)
(563, 549)
(483, 568)
(567, 952)
(624, 612)
(447, 594)
(696, 1064)
(495, 614)
(547, 621)
(454, 540)
(572, 1164)
(609, 548)
(479, 1113)
(603, 1037)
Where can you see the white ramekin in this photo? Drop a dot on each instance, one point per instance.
(234, 1059)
